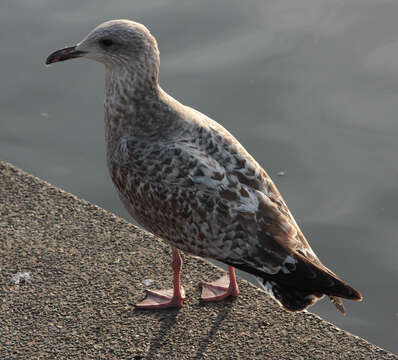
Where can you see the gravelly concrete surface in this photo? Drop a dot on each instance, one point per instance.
(87, 269)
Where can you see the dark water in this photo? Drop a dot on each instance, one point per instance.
(310, 88)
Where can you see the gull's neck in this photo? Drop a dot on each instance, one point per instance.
(129, 97)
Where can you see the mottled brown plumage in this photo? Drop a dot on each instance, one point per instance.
(185, 178)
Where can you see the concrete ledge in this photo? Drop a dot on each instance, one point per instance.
(87, 268)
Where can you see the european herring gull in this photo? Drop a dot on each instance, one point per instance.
(186, 179)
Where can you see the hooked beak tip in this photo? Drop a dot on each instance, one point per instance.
(64, 54)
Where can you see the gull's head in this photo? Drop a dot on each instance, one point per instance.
(114, 43)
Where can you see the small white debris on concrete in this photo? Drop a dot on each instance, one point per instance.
(281, 173)
(148, 282)
(21, 277)
(44, 114)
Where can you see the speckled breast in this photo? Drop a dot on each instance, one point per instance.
(137, 170)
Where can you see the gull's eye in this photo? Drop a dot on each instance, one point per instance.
(106, 43)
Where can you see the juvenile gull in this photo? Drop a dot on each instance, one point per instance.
(186, 179)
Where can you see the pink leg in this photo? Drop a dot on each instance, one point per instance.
(222, 288)
(171, 298)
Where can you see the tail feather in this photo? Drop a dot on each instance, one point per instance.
(322, 280)
(294, 299)
(305, 285)
(289, 298)
(336, 301)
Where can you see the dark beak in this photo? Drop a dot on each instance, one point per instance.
(64, 54)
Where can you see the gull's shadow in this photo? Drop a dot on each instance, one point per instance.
(225, 308)
(168, 319)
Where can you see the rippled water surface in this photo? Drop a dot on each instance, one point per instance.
(309, 87)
